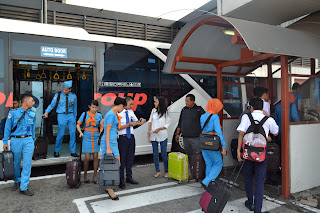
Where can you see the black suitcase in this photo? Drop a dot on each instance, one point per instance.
(274, 160)
(109, 174)
(217, 194)
(198, 167)
(234, 147)
(40, 146)
(6, 166)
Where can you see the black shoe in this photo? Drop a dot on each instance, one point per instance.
(15, 186)
(248, 205)
(27, 192)
(122, 185)
(56, 154)
(87, 181)
(131, 181)
(112, 198)
(74, 155)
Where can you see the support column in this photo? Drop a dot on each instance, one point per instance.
(270, 82)
(285, 126)
(313, 66)
(220, 91)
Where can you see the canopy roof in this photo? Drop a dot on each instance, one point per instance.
(272, 12)
(203, 44)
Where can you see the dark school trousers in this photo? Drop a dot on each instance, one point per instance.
(127, 149)
(257, 170)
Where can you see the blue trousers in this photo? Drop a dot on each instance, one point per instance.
(214, 165)
(63, 121)
(155, 147)
(258, 170)
(127, 148)
(22, 147)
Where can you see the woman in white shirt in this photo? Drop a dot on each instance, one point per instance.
(159, 122)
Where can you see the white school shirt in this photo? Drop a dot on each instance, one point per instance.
(132, 118)
(157, 122)
(269, 125)
(266, 107)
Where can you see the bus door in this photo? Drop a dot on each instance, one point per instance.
(43, 81)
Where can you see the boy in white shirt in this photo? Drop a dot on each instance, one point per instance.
(259, 168)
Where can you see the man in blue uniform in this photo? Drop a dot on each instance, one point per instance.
(20, 127)
(67, 115)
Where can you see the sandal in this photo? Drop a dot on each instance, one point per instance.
(157, 175)
(166, 175)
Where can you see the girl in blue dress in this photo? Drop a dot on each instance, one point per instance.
(90, 137)
(109, 143)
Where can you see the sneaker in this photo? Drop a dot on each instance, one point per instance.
(15, 186)
(27, 192)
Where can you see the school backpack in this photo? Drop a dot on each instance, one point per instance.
(255, 141)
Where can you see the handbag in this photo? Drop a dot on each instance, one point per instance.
(209, 142)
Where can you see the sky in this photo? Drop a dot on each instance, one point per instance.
(165, 9)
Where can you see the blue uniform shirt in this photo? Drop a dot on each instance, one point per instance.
(212, 126)
(98, 117)
(293, 114)
(61, 108)
(111, 119)
(298, 98)
(26, 125)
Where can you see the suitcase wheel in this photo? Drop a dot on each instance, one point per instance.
(78, 185)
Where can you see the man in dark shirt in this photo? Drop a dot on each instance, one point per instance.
(189, 126)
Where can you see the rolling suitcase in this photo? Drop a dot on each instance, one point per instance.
(109, 174)
(234, 147)
(73, 171)
(40, 146)
(217, 194)
(273, 152)
(178, 166)
(6, 166)
(198, 167)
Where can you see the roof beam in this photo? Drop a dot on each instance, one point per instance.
(194, 71)
(246, 60)
(200, 60)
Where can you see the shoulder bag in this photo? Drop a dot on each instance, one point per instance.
(207, 141)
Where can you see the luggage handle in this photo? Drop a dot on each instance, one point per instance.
(237, 174)
(108, 158)
(3, 170)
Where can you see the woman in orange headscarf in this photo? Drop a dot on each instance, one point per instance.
(91, 121)
(213, 159)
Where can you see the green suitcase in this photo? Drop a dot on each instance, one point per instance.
(178, 166)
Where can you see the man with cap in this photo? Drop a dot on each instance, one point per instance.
(20, 127)
(67, 115)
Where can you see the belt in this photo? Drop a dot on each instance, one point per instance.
(65, 113)
(125, 135)
(91, 130)
(21, 136)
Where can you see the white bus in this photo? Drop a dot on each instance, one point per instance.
(101, 68)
